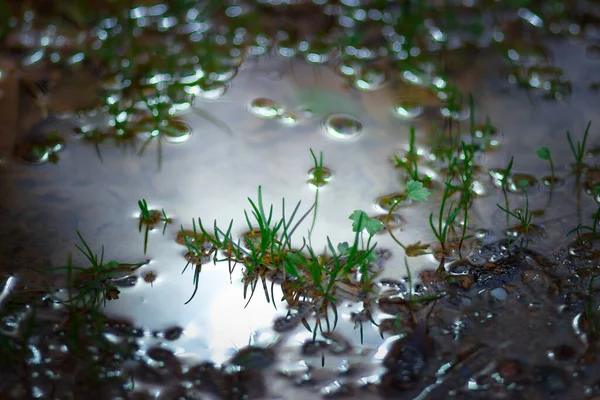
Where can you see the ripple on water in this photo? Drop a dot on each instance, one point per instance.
(342, 126)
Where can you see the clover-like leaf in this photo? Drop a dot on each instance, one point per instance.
(543, 153)
(344, 248)
(360, 219)
(374, 226)
(416, 191)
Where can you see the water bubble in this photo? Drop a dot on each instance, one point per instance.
(343, 126)
(387, 202)
(173, 333)
(176, 131)
(288, 119)
(519, 182)
(409, 109)
(393, 221)
(209, 91)
(265, 108)
(370, 80)
(252, 357)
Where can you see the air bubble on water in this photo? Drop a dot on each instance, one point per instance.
(288, 119)
(265, 108)
(370, 80)
(409, 109)
(207, 91)
(343, 126)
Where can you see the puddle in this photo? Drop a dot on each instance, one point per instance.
(386, 124)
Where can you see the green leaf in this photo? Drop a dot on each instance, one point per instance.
(543, 153)
(416, 191)
(343, 248)
(291, 269)
(371, 256)
(360, 219)
(374, 226)
(362, 222)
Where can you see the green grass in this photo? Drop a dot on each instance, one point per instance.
(409, 162)
(145, 215)
(93, 284)
(590, 232)
(444, 224)
(319, 174)
(271, 239)
(149, 219)
(415, 191)
(545, 154)
(268, 251)
(579, 148)
(524, 217)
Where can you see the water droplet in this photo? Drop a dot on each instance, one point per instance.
(552, 181)
(265, 108)
(386, 202)
(209, 91)
(254, 358)
(370, 80)
(288, 119)
(393, 221)
(173, 333)
(519, 182)
(343, 126)
(409, 109)
(176, 131)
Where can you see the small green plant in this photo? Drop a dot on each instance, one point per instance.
(590, 232)
(544, 154)
(524, 217)
(94, 284)
(441, 230)
(319, 174)
(267, 240)
(149, 219)
(505, 179)
(319, 177)
(463, 166)
(578, 149)
(409, 162)
(166, 220)
(145, 215)
(417, 192)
